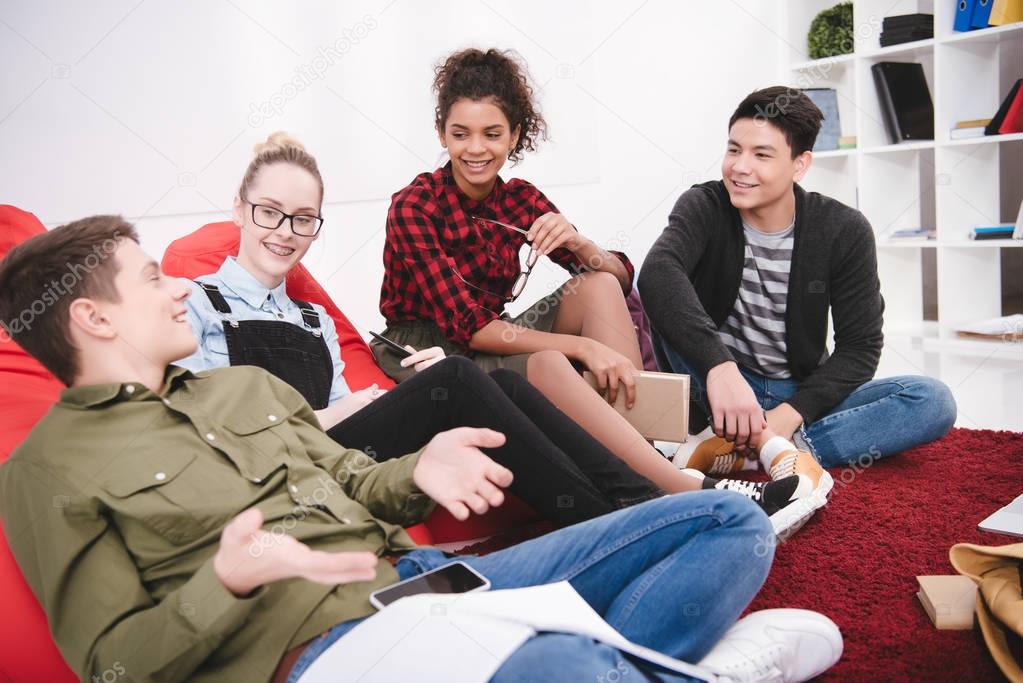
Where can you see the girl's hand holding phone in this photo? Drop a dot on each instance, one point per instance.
(421, 360)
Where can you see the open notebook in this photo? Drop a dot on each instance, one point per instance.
(1006, 520)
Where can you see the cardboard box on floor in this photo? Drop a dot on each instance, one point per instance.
(948, 600)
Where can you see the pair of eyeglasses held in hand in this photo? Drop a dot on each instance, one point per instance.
(520, 281)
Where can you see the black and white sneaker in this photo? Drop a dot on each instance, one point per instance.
(780, 499)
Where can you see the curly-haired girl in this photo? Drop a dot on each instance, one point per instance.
(452, 263)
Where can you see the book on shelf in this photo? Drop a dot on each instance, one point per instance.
(1006, 12)
(905, 99)
(912, 235)
(906, 28)
(847, 142)
(826, 100)
(1005, 328)
(965, 133)
(992, 232)
(973, 123)
(1009, 118)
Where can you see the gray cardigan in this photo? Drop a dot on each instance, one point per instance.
(691, 277)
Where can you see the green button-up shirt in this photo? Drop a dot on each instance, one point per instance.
(114, 505)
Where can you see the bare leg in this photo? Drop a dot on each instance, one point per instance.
(554, 376)
(593, 306)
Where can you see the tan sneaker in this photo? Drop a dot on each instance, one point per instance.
(812, 493)
(717, 456)
(817, 482)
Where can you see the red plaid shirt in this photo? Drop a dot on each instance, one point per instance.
(430, 233)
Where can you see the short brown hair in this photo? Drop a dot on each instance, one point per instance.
(787, 109)
(42, 276)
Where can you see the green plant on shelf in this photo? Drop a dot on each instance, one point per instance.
(831, 32)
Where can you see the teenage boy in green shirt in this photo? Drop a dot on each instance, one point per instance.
(203, 527)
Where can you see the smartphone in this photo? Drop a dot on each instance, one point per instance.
(393, 345)
(457, 577)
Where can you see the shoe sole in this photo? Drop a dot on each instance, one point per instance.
(791, 518)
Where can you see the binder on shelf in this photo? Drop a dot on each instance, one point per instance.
(905, 100)
(1006, 12)
(964, 13)
(981, 13)
(826, 100)
(994, 127)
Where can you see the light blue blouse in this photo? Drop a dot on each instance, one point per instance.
(250, 300)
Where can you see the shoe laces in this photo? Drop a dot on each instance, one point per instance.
(760, 666)
(723, 463)
(750, 489)
(785, 467)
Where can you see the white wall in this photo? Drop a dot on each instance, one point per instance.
(151, 108)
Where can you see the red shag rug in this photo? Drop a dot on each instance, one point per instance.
(888, 522)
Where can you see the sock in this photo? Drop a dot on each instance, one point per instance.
(774, 447)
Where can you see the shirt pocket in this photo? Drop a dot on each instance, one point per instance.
(154, 492)
(262, 439)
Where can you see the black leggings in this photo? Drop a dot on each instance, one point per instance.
(560, 470)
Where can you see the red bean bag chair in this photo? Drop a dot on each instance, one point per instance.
(203, 251)
(27, 390)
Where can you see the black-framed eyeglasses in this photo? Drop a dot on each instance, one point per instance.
(521, 280)
(270, 218)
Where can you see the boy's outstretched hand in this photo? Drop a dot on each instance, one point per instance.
(249, 557)
(454, 472)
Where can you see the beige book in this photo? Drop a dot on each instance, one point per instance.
(948, 600)
(661, 411)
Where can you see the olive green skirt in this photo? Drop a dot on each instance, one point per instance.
(422, 334)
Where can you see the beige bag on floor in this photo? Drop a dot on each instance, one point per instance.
(997, 572)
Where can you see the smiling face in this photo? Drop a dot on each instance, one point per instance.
(150, 316)
(758, 168)
(479, 139)
(268, 254)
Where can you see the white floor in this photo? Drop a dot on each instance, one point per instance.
(986, 378)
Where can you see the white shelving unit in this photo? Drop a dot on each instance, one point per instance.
(948, 185)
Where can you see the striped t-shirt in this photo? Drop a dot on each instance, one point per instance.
(755, 329)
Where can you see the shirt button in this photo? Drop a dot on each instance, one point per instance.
(272, 418)
(210, 437)
(345, 520)
(294, 489)
(257, 480)
(166, 402)
(130, 389)
(280, 316)
(160, 476)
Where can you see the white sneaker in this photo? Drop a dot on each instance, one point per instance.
(776, 645)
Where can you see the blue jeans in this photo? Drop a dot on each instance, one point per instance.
(879, 418)
(672, 574)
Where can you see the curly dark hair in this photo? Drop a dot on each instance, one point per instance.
(497, 75)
